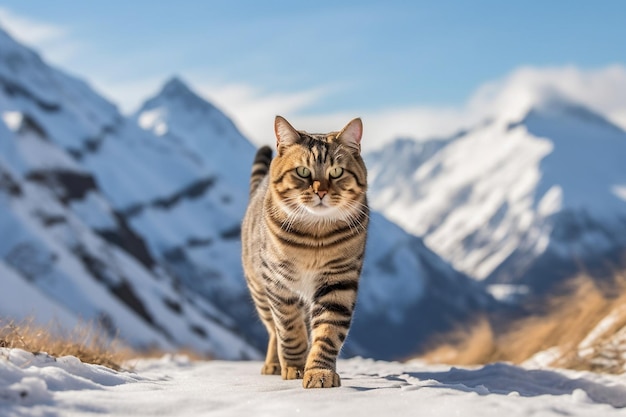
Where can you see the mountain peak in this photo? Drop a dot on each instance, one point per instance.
(565, 112)
(175, 85)
(176, 88)
(179, 113)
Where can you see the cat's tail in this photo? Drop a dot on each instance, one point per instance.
(260, 167)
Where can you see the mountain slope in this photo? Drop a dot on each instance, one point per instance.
(517, 201)
(67, 156)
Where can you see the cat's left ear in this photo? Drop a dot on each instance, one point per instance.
(285, 133)
(351, 135)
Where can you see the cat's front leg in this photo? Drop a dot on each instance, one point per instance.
(272, 364)
(291, 332)
(331, 315)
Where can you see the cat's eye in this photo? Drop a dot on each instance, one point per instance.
(336, 172)
(304, 172)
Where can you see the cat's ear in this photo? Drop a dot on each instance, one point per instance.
(285, 133)
(350, 135)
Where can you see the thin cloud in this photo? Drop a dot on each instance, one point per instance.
(254, 110)
(602, 90)
(54, 42)
(29, 31)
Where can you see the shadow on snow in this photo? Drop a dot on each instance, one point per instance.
(505, 379)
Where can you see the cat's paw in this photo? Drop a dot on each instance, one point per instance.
(321, 378)
(271, 369)
(293, 372)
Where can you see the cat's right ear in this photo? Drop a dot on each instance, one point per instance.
(285, 133)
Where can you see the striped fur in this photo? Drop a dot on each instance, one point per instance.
(303, 241)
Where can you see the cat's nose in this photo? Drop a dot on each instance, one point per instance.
(316, 189)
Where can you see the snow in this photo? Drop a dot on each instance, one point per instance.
(13, 119)
(41, 155)
(620, 191)
(131, 167)
(94, 211)
(37, 385)
(39, 307)
(506, 292)
(601, 329)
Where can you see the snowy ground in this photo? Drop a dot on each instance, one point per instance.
(172, 386)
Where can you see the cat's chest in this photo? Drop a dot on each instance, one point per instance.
(305, 283)
(305, 270)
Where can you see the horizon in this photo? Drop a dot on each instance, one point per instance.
(401, 68)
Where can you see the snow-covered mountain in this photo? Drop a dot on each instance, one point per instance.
(522, 200)
(70, 165)
(179, 115)
(135, 222)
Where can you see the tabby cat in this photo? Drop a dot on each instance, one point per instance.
(303, 239)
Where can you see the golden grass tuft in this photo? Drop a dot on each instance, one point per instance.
(565, 322)
(86, 341)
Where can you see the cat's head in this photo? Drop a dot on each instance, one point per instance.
(319, 176)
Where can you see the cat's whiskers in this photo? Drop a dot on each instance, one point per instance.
(297, 215)
(290, 209)
(357, 208)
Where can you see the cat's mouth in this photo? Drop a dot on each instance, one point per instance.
(320, 208)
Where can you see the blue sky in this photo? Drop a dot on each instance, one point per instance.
(310, 59)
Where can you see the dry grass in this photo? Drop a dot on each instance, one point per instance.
(87, 342)
(567, 320)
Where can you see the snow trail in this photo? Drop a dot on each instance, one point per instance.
(38, 385)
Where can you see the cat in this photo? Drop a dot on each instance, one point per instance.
(303, 243)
